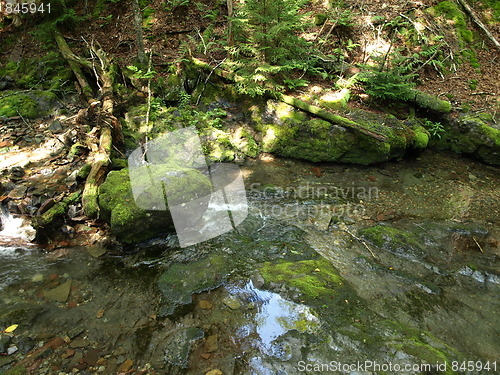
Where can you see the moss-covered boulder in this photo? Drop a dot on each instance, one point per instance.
(182, 280)
(291, 133)
(31, 104)
(132, 224)
(475, 134)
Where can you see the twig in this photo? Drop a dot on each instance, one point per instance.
(477, 243)
(149, 105)
(469, 10)
(345, 229)
(483, 93)
(206, 80)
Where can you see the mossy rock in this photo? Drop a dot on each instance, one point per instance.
(475, 134)
(131, 224)
(393, 240)
(33, 104)
(315, 278)
(291, 133)
(422, 137)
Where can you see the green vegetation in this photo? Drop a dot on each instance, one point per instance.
(451, 10)
(435, 128)
(268, 53)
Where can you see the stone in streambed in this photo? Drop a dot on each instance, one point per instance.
(60, 293)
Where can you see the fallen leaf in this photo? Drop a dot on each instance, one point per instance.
(12, 328)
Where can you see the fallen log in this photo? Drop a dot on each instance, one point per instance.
(299, 104)
(106, 122)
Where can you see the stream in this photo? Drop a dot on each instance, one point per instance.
(337, 269)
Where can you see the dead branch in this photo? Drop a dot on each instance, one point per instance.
(476, 19)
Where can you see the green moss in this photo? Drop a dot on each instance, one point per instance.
(12, 105)
(313, 278)
(451, 11)
(422, 137)
(474, 134)
(31, 105)
(84, 171)
(337, 100)
(320, 19)
(420, 344)
(431, 102)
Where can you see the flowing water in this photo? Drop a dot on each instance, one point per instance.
(337, 269)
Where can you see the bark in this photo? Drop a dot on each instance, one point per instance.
(230, 13)
(106, 122)
(139, 39)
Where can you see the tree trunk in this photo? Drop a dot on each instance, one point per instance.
(230, 13)
(139, 40)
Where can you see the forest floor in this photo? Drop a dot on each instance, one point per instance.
(170, 33)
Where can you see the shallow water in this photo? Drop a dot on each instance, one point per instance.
(426, 294)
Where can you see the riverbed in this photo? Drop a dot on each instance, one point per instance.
(391, 265)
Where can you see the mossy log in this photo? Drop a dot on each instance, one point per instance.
(108, 124)
(300, 104)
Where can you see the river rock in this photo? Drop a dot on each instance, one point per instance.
(79, 343)
(232, 302)
(211, 344)
(60, 293)
(132, 224)
(476, 134)
(4, 342)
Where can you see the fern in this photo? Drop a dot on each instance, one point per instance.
(388, 85)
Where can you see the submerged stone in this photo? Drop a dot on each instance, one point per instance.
(182, 280)
(59, 293)
(396, 241)
(178, 348)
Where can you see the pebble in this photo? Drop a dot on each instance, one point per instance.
(205, 305)
(214, 372)
(211, 344)
(12, 349)
(232, 302)
(37, 278)
(80, 343)
(126, 365)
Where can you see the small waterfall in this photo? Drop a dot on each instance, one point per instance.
(14, 231)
